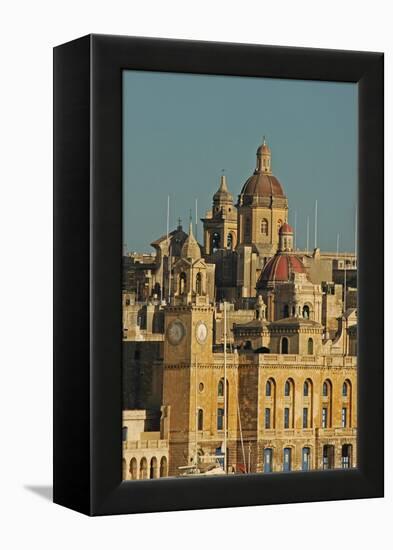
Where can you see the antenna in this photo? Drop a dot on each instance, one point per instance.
(316, 224)
(338, 245)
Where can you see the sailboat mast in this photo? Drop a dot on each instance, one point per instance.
(196, 419)
(225, 387)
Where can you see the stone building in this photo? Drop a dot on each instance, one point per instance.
(282, 394)
(145, 451)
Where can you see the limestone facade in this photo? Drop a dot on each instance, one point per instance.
(282, 395)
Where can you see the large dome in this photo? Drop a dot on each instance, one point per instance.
(262, 185)
(279, 269)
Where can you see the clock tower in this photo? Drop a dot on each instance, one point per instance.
(188, 344)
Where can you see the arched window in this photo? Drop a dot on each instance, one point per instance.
(286, 311)
(247, 228)
(124, 433)
(216, 241)
(287, 462)
(268, 388)
(153, 468)
(284, 345)
(327, 404)
(306, 388)
(134, 468)
(143, 469)
(163, 467)
(287, 388)
(267, 460)
(220, 392)
(306, 455)
(346, 456)
(306, 312)
(182, 282)
(230, 241)
(279, 224)
(198, 284)
(345, 389)
(264, 226)
(310, 346)
(220, 418)
(328, 457)
(200, 419)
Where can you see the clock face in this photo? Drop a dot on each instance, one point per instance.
(201, 332)
(176, 332)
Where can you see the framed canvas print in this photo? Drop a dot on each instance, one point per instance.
(218, 275)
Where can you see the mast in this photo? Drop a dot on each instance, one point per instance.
(316, 224)
(196, 418)
(294, 237)
(225, 387)
(196, 219)
(169, 253)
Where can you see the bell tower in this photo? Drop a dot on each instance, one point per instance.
(220, 223)
(188, 344)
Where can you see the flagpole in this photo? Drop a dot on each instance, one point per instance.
(169, 252)
(316, 224)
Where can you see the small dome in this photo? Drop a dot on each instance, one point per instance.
(191, 249)
(286, 228)
(279, 269)
(264, 148)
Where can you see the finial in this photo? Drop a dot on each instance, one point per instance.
(179, 222)
(264, 140)
(190, 219)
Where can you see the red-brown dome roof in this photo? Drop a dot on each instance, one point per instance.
(262, 185)
(280, 268)
(285, 228)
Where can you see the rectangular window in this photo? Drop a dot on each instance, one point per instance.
(267, 419)
(220, 419)
(324, 417)
(305, 417)
(344, 417)
(286, 417)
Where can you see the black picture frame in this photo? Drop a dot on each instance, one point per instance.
(87, 274)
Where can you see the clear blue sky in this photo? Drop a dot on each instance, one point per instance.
(181, 130)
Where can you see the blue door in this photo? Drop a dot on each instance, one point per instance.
(287, 460)
(306, 458)
(268, 461)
